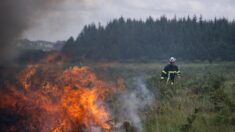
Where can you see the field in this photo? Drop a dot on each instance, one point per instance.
(202, 100)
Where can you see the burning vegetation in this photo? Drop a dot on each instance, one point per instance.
(49, 97)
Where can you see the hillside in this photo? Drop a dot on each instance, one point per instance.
(40, 45)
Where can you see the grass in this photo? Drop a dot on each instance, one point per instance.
(203, 100)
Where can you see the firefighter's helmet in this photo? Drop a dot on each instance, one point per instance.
(172, 59)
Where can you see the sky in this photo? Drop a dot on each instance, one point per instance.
(68, 18)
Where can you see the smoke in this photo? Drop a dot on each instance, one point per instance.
(16, 17)
(133, 102)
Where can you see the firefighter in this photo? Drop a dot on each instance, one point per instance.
(170, 71)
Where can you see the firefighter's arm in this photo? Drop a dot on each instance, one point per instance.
(178, 73)
(163, 74)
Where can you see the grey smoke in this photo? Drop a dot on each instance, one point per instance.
(133, 102)
(16, 17)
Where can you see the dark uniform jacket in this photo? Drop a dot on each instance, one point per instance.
(169, 72)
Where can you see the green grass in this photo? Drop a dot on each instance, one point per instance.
(203, 100)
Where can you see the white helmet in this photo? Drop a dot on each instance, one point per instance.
(172, 59)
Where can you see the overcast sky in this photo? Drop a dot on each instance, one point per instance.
(69, 18)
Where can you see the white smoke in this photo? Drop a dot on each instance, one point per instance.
(133, 101)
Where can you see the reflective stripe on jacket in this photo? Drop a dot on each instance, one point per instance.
(169, 72)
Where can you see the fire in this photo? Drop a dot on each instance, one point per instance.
(84, 88)
(49, 97)
(87, 109)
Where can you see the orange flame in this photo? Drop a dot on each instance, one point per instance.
(53, 99)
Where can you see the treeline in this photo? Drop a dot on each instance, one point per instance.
(190, 38)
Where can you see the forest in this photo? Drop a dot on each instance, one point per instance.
(187, 38)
